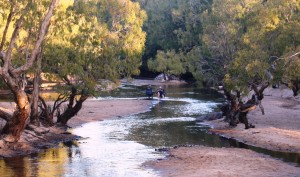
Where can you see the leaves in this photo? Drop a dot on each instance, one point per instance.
(99, 39)
(245, 37)
(167, 62)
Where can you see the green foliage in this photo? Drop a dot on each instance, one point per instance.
(194, 63)
(174, 25)
(28, 31)
(290, 67)
(231, 42)
(251, 41)
(223, 29)
(159, 26)
(168, 63)
(234, 43)
(96, 40)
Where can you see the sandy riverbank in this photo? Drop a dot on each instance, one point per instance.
(278, 129)
(98, 110)
(92, 110)
(221, 162)
(46, 137)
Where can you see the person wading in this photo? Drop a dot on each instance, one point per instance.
(160, 93)
(149, 92)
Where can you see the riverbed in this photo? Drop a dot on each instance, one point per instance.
(119, 146)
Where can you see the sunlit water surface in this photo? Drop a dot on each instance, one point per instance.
(120, 146)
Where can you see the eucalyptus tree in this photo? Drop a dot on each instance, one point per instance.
(159, 26)
(189, 34)
(265, 49)
(175, 25)
(100, 41)
(224, 31)
(35, 117)
(268, 36)
(23, 29)
(283, 40)
(169, 63)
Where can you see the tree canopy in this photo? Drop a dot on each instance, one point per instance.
(227, 42)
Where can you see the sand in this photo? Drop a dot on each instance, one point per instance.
(221, 162)
(278, 129)
(46, 137)
(98, 110)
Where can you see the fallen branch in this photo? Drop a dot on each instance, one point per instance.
(33, 134)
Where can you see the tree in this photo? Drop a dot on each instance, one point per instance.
(103, 42)
(287, 70)
(175, 25)
(284, 46)
(11, 71)
(266, 34)
(35, 117)
(168, 63)
(229, 61)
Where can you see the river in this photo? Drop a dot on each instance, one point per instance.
(118, 147)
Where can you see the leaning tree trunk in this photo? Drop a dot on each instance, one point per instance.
(15, 126)
(232, 108)
(72, 109)
(260, 95)
(34, 117)
(236, 111)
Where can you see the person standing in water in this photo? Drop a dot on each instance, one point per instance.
(149, 92)
(160, 93)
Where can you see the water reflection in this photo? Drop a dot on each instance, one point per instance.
(172, 91)
(170, 133)
(118, 147)
(105, 152)
(47, 164)
(287, 157)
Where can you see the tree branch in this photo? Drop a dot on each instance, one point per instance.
(7, 58)
(281, 58)
(263, 87)
(255, 89)
(9, 18)
(2, 55)
(60, 100)
(42, 33)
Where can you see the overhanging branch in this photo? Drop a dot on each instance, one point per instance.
(41, 36)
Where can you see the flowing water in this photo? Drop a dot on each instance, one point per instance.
(118, 147)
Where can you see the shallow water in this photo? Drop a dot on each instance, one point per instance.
(118, 147)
